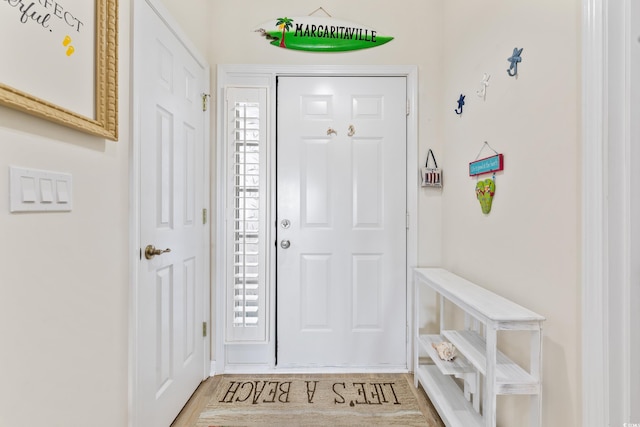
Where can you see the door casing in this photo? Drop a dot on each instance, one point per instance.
(266, 76)
(609, 241)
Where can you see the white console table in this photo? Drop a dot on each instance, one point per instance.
(479, 366)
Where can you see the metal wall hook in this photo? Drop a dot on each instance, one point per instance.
(460, 105)
(352, 130)
(484, 84)
(514, 59)
(331, 131)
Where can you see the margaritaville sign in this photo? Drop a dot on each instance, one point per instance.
(320, 34)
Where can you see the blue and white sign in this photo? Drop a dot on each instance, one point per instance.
(488, 165)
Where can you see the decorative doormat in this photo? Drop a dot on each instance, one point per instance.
(316, 400)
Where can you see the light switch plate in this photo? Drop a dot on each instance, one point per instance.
(33, 190)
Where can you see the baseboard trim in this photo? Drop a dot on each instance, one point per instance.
(264, 369)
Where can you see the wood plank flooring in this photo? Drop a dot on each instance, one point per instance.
(191, 412)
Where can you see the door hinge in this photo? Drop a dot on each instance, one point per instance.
(407, 224)
(204, 329)
(204, 215)
(408, 107)
(205, 99)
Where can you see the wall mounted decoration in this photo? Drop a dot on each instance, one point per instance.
(487, 164)
(514, 59)
(484, 84)
(63, 62)
(485, 190)
(431, 177)
(460, 105)
(320, 34)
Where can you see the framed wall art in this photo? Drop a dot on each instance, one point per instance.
(60, 62)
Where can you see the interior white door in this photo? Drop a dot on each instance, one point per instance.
(170, 303)
(341, 222)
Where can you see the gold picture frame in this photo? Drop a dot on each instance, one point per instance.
(105, 79)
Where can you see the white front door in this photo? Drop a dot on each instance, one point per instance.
(170, 295)
(341, 222)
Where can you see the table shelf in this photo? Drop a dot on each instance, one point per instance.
(458, 366)
(510, 377)
(480, 364)
(447, 398)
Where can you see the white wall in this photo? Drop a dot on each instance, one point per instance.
(528, 248)
(194, 20)
(64, 276)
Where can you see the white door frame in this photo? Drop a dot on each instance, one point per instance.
(266, 75)
(135, 244)
(609, 215)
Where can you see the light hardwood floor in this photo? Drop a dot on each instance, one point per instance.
(191, 412)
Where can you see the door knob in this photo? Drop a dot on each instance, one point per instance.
(150, 251)
(285, 244)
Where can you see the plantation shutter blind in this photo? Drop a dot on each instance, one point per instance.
(246, 214)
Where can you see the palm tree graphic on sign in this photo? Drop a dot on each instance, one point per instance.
(284, 24)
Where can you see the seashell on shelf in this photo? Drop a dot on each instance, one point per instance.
(446, 350)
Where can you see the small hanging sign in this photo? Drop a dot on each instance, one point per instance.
(486, 188)
(487, 165)
(431, 177)
(320, 34)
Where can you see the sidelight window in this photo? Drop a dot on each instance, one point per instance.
(246, 201)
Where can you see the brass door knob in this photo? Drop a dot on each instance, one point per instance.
(150, 251)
